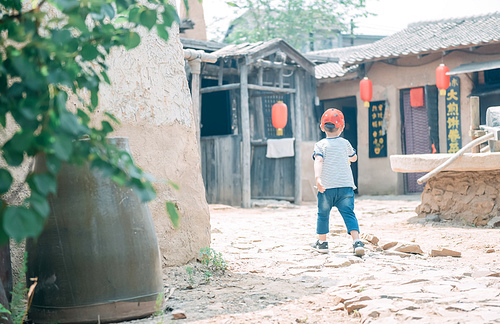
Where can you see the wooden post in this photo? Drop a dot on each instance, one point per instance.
(245, 125)
(259, 109)
(298, 139)
(195, 94)
(221, 73)
(474, 120)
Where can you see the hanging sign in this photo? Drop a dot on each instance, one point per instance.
(377, 135)
(453, 129)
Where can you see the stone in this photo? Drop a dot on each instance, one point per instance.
(388, 245)
(370, 238)
(433, 218)
(178, 314)
(445, 252)
(494, 222)
(490, 250)
(356, 303)
(409, 248)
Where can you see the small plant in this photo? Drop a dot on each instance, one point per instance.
(159, 305)
(4, 311)
(207, 275)
(190, 273)
(213, 260)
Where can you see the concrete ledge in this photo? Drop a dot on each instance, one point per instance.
(428, 162)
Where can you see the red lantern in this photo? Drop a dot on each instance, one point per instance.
(442, 80)
(279, 116)
(366, 91)
(417, 97)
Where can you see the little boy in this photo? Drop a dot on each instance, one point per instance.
(332, 156)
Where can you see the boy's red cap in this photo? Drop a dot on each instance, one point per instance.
(334, 117)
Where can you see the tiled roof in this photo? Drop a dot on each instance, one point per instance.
(254, 51)
(420, 38)
(332, 70)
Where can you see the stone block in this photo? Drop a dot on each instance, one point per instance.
(445, 252)
(388, 245)
(370, 238)
(409, 248)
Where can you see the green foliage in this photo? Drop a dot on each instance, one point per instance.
(159, 304)
(47, 59)
(298, 22)
(4, 311)
(190, 272)
(213, 260)
(207, 275)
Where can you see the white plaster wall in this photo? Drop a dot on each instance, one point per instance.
(375, 174)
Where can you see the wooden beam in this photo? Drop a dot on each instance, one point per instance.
(246, 194)
(224, 87)
(273, 89)
(298, 139)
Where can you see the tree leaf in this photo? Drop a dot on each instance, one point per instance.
(173, 185)
(134, 15)
(108, 10)
(162, 32)
(53, 163)
(170, 16)
(39, 204)
(144, 190)
(20, 223)
(94, 98)
(105, 77)
(45, 183)
(131, 40)
(12, 157)
(5, 181)
(148, 18)
(89, 52)
(172, 213)
(63, 147)
(67, 5)
(112, 117)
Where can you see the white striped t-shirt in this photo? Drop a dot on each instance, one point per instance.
(336, 169)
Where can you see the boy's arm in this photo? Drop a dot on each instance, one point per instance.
(353, 158)
(318, 168)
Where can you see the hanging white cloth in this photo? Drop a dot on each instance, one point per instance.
(280, 148)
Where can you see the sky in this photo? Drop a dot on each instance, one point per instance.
(392, 15)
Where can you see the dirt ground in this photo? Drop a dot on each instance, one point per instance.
(274, 276)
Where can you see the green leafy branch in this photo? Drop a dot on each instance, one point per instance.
(47, 59)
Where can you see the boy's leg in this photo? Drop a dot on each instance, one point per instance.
(323, 221)
(345, 205)
(324, 208)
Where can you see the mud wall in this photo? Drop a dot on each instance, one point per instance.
(151, 98)
(471, 197)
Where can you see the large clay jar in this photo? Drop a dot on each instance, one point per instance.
(97, 259)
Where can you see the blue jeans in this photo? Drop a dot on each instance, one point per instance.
(343, 199)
